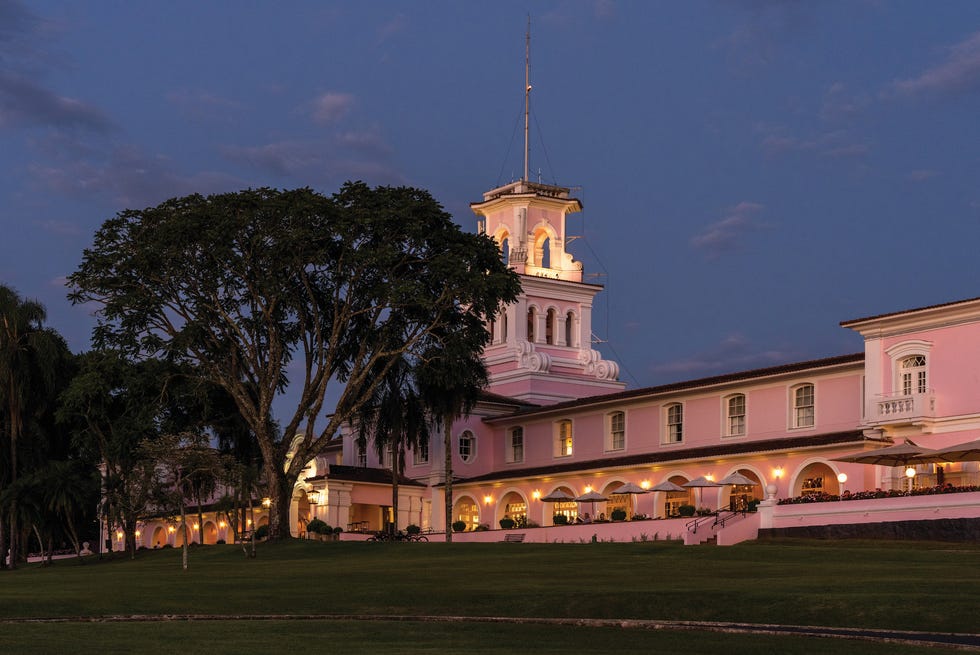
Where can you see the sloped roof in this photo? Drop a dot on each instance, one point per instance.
(363, 474)
(689, 384)
(907, 311)
(671, 455)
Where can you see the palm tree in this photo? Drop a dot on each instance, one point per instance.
(450, 381)
(29, 356)
(396, 420)
(69, 490)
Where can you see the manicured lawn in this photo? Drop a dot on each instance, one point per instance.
(903, 586)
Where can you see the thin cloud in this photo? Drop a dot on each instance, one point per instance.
(24, 103)
(59, 228)
(726, 235)
(129, 178)
(394, 25)
(203, 105)
(835, 144)
(960, 71)
(733, 353)
(329, 161)
(331, 107)
(921, 175)
(839, 104)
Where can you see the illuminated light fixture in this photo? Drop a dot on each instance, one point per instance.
(119, 536)
(588, 488)
(171, 529)
(138, 533)
(910, 472)
(266, 502)
(487, 499)
(313, 496)
(842, 477)
(645, 484)
(777, 472)
(248, 522)
(222, 524)
(197, 527)
(535, 494)
(710, 477)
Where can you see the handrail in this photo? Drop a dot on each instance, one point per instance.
(719, 517)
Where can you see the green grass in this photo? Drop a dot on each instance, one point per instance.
(895, 585)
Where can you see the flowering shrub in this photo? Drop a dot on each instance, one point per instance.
(877, 493)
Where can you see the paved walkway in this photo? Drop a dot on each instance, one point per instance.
(960, 641)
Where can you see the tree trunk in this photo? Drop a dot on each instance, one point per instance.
(183, 526)
(393, 530)
(447, 434)
(3, 544)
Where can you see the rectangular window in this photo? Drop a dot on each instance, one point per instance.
(563, 446)
(803, 406)
(516, 451)
(617, 431)
(421, 454)
(736, 416)
(675, 424)
(361, 456)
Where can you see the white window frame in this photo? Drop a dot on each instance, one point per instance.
(471, 455)
(420, 454)
(511, 450)
(673, 424)
(914, 378)
(613, 434)
(735, 424)
(800, 419)
(564, 442)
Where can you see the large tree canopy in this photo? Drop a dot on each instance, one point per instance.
(264, 289)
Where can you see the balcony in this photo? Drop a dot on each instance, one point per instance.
(903, 409)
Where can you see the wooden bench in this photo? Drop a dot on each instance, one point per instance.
(514, 538)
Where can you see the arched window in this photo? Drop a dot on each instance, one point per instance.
(569, 322)
(735, 415)
(616, 431)
(803, 406)
(549, 327)
(563, 438)
(674, 432)
(913, 375)
(505, 251)
(467, 446)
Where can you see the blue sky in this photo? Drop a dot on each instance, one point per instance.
(752, 172)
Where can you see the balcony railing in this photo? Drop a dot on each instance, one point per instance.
(899, 408)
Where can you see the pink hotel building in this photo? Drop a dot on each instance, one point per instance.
(555, 418)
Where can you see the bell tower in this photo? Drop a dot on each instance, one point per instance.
(541, 345)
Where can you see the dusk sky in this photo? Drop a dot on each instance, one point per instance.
(752, 173)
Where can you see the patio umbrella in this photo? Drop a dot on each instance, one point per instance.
(591, 497)
(902, 454)
(738, 480)
(700, 483)
(667, 485)
(630, 488)
(963, 452)
(557, 496)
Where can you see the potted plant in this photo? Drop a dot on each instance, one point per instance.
(413, 529)
(686, 510)
(506, 523)
(618, 514)
(561, 519)
(459, 526)
(316, 527)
